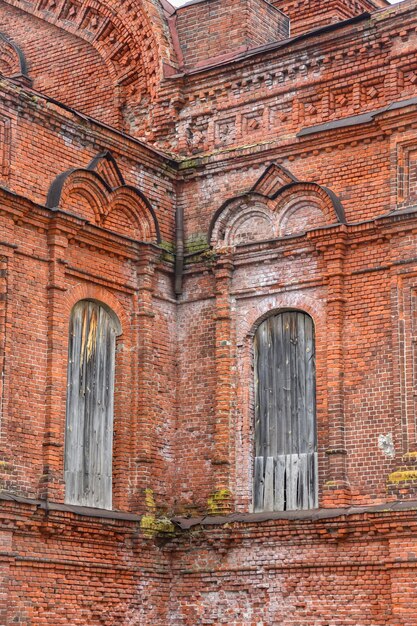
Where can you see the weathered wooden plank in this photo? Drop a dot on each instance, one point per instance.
(279, 382)
(89, 425)
(286, 417)
(268, 390)
(262, 442)
(269, 485)
(292, 462)
(272, 409)
(303, 487)
(293, 349)
(258, 488)
(285, 413)
(279, 496)
(258, 395)
(302, 445)
(312, 480)
(310, 374)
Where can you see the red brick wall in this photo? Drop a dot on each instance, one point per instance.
(296, 572)
(184, 372)
(310, 14)
(211, 30)
(63, 569)
(63, 66)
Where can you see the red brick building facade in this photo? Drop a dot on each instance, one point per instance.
(193, 173)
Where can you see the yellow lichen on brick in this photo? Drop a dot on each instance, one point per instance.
(150, 500)
(219, 502)
(410, 456)
(406, 476)
(152, 525)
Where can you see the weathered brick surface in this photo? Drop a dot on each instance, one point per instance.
(309, 14)
(67, 68)
(283, 208)
(214, 30)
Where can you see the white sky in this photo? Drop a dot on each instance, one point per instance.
(178, 3)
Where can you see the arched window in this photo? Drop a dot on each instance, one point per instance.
(90, 398)
(285, 472)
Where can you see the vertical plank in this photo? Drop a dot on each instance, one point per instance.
(108, 472)
(268, 390)
(303, 486)
(312, 480)
(279, 496)
(292, 462)
(293, 349)
(258, 396)
(286, 417)
(310, 376)
(272, 411)
(301, 384)
(258, 487)
(269, 485)
(279, 383)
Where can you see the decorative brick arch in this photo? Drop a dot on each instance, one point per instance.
(249, 317)
(303, 206)
(131, 38)
(12, 61)
(129, 212)
(241, 219)
(271, 305)
(94, 292)
(122, 209)
(80, 191)
(277, 206)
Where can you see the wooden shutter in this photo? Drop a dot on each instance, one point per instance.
(90, 393)
(285, 472)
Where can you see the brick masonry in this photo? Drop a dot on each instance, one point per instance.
(195, 170)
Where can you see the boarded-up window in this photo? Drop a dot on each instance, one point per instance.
(90, 394)
(285, 472)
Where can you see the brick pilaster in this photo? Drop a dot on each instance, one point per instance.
(224, 362)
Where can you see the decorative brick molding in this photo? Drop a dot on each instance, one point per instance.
(12, 61)
(104, 199)
(5, 147)
(277, 206)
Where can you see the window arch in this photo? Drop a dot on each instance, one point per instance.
(285, 468)
(90, 401)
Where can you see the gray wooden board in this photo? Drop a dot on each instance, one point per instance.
(259, 484)
(269, 485)
(285, 413)
(90, 392)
